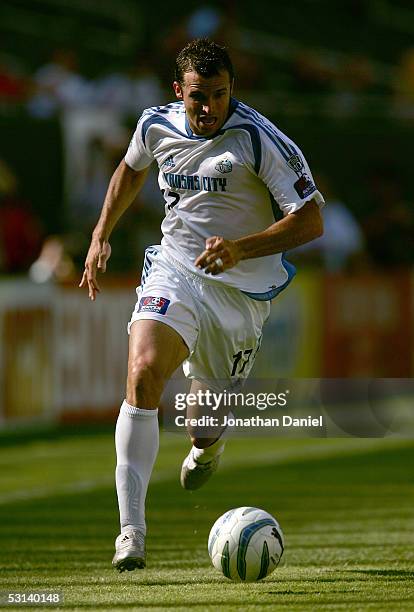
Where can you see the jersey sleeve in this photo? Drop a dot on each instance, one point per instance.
(138, 155)
(286, 173)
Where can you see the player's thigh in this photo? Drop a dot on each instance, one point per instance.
(228, 340)
(155, 345)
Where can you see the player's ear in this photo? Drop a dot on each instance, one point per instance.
(231, 86)
(178, 90)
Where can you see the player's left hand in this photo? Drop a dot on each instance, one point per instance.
(220, 254)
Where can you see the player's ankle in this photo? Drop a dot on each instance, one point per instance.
(204, 455)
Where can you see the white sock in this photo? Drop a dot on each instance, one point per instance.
(136, 443)
(204, 455)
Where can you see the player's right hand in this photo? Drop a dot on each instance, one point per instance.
(98, 254)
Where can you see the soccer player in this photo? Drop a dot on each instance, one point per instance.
(205, 291)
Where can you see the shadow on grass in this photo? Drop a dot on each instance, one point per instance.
(299, 489)
(28, 434)
(226, 604)
(383, 572)
(222, 604)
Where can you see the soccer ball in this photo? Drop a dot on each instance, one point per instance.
(246, 544)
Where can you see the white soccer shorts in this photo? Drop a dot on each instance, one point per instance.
(221, 326)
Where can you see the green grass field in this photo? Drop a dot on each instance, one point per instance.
(346, 508)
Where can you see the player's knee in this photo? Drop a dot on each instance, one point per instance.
(144, 384)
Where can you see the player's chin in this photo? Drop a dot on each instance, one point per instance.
(207, 128)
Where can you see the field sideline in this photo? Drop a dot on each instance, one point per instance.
(346, 508)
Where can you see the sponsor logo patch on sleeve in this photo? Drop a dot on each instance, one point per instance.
(153, 304)
(304, 186)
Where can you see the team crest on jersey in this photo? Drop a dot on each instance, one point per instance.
(224, 166)
(150, 303)
(295, 163)
(169, 162)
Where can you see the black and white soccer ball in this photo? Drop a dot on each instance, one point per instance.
(246, 544)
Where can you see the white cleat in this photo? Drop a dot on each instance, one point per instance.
(195, 474)
(129, 551)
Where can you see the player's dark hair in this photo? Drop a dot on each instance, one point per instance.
(203, 56)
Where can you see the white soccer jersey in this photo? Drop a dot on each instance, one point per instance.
(222, 185)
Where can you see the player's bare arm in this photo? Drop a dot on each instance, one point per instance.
(293, 230)
(123, 189)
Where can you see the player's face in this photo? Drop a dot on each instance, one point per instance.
(206, 100)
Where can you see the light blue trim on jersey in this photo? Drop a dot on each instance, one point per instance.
(289, 146)
(165, 108)
(255, 140)
(248, 127)
(284, 148)
(269, 295)
(252, 130)
(156, 119)
(271, 134)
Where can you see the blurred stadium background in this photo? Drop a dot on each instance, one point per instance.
(74, 76)
(338, 77)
